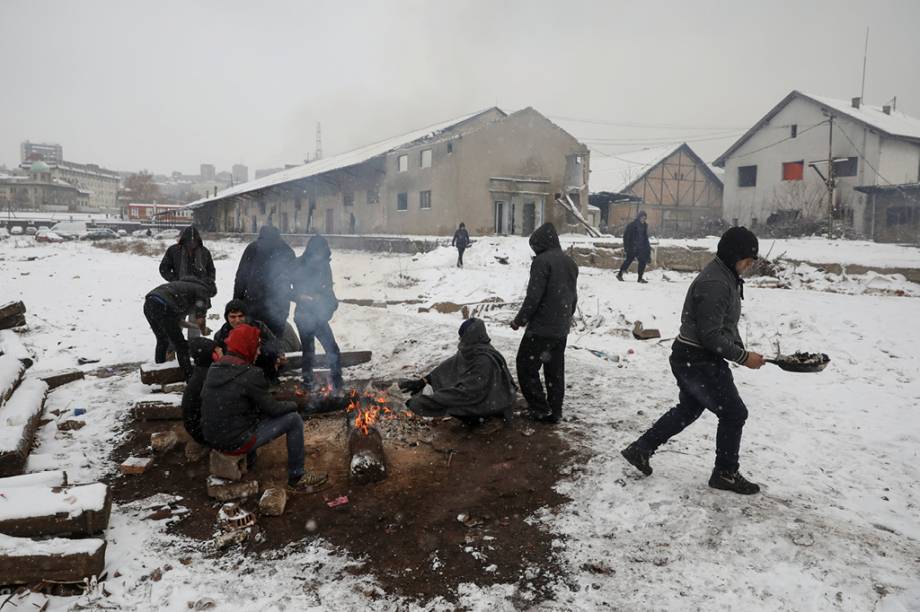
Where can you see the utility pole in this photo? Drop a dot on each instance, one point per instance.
(830, 173)
(862, 90)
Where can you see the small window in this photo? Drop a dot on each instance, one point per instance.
(845, 167)
(402, 163)
(793, 171)
(899, 215)
(579, 159)
(373, 196)
(450, 148)
(747, 176)
(424, 158)
(424, 199)
(349, 199)
(402, 201)
(262, 208)
(793, 130)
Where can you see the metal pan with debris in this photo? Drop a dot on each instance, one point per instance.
(801, 362)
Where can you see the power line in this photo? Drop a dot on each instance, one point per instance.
(662, 140)
(877, 173)
(798, 133)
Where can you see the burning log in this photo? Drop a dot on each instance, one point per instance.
(367, 461)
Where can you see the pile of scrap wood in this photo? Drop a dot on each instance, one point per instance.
(12, 314)
(51, 531)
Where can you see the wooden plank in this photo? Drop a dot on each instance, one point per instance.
(19, 419)
(27, 561)
(168, 373)
(49, 478)
(56, 379)
(14, 321)
(11, 309)
(167, 408)
(45, 511)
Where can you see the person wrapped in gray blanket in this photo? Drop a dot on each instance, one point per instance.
(473, 385)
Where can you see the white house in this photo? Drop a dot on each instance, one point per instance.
(777, 167)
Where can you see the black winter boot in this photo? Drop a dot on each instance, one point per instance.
(732, 481)
(620, 276)
(638, 458)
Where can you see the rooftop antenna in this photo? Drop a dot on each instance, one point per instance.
(862, 90)
(318, 154)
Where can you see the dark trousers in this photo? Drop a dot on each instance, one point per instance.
(310, 331)
(460, 250)
(290, 425)
(274, 317)
(165, 325)
(538, 352)
(704, 385)
(631, 257)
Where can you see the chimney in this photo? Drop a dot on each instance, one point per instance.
(855, 102)
(886, 109)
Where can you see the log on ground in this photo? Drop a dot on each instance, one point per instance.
(14, 321)
(19, 419)
(320, 361)
(45, 511)
(56, 379)
(11, 309)
(27, 561)
(366, 459)
(162, 408)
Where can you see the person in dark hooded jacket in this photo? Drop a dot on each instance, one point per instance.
(547, 314)
(472, 385)
(461, 240)
(238, 415)
(708, 339)
(202, 352)
(166, 305)
(271, 355)
(189, 257)
(636, 245)
(263, 279)
(316, 303)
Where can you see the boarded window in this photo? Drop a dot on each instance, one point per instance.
(793, 171)
(373, 196)
(747, 176)
(899, 215)
(402, 163)
(450, 147)
(348, 199)
(402, 201)
(424, 158)
(424, 199)
(845, 167)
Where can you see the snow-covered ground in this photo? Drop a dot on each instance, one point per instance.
(837, 527)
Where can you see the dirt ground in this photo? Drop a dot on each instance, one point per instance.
(405, 527)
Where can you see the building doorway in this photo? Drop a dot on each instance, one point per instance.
(530, 218)
(499, 210)
(330, 221)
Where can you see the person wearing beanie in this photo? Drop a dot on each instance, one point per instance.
(636, 245)
(166, 306)
(707, 341)
(546, 314)
(271, 355)
(238, 415)
(461, 240)
(472, 385)
(202, 353)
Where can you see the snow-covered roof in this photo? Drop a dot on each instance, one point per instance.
(894, 124)
(337, 162)
(615, 173)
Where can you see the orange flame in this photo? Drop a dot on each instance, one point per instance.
(368, 408)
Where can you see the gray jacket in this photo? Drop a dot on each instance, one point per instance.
(711, 312)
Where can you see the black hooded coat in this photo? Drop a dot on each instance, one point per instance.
(635, 240)
(475, 382)
(186, 295)
(552, 292)
(179, 261)
(312, 279)
(263, 278)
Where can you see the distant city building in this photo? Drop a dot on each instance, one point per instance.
(207, 172)
(267, 171)
(44, 151)
(39, 190)
(100, 183)
(224, 177)
(240, 173)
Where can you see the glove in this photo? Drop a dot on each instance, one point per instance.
(412, 385)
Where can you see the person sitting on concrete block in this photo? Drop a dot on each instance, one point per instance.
(238, 415)
(271, 355)
(166, 306)
(473, 385)
(202, 352)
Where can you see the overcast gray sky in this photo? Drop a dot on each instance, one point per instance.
(166, 85)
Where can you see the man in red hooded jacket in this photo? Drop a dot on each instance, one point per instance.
(238, 415)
